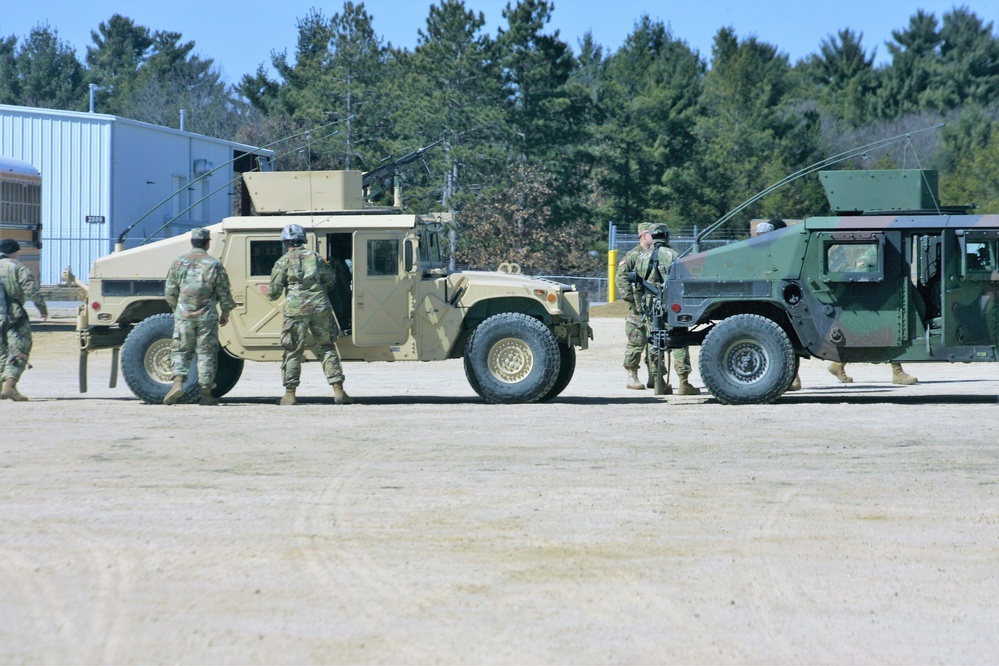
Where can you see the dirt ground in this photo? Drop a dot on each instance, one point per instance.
(843, 524)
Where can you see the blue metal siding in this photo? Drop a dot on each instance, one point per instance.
(71, 151)
(116, 169)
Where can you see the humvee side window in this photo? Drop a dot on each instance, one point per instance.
(981, 256)
(383, 257)
(263, 254)
(852, 258)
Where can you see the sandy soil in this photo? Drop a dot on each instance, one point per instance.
(844, 524)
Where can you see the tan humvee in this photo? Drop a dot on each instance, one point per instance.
(396, 300)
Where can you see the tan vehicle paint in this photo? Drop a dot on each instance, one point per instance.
(404, 303)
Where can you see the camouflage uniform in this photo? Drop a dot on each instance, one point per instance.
(197, 285)
(15, 329)
(307, 279)
(639, 259)
(634, 324)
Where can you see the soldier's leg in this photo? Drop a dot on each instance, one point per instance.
(293, 340)
(208, 360)
(900, 376)
(185, 339)
(681, 360)
(18, 348)
(207, 348)
(838, 370)
(634, 330)
(323, 329)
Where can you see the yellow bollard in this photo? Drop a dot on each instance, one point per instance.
(611, 276)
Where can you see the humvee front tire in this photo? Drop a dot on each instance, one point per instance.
(566, 369)
(145, 364)
(512, 358)
(747, 360)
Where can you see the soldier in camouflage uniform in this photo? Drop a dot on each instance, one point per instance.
(653, 242)
(634, 325)
(18, 285)
(197, 285)
(307, 280)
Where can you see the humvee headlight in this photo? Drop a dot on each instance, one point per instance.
(541, 293)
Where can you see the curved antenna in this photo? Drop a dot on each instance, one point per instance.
(121, 236)
(821, 164)
(217, 190)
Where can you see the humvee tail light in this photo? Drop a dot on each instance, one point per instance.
(675, 307)
(95, 305)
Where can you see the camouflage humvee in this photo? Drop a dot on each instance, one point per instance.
(893, 276)
(397, 301)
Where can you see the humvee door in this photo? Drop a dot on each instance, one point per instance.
(858, 278)
(970, 287)
(381, 308)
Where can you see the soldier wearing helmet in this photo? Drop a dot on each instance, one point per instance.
(197, 287)
(306, 280)
(17, 285)
(651, 263)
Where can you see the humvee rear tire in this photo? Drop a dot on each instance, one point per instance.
(747, 360)
(512, 358)
(566, 368)
(228, 373)
(145, 361)
(145, 364)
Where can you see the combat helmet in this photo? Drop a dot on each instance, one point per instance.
(293, 233)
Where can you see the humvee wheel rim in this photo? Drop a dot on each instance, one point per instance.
(746, 361)
(510, 360)
(157, 361)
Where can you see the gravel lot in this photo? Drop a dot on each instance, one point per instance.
(844, 524)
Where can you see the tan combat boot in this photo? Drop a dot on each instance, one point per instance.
(900, 376)
(207, 399)
(837, 370)
(9, 391)
(796, 384)
(685, 387)
(340, 396)
(289, 397)
(634, 382)
(175, 392)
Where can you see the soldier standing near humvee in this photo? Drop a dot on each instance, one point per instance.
(196, 284)
(307, 280)
(17, 285)
(649, 261)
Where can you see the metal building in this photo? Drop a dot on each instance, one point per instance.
(102, 174)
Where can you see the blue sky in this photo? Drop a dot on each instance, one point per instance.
(239, 36)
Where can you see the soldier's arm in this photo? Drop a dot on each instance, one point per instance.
(274, 290)
(623, 286)
(223, 291)
(171, 291)
(29, 286)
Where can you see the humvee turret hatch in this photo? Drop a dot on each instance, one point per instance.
(892, 276)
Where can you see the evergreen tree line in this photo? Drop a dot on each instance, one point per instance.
(543, 146)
